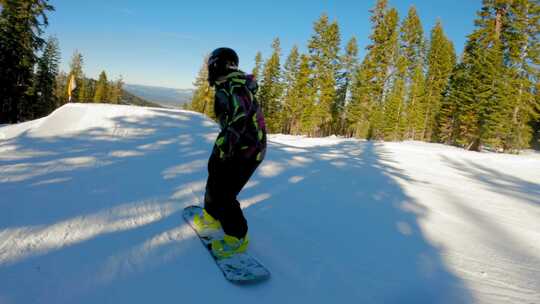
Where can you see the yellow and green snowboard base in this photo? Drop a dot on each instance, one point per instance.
(241, 268)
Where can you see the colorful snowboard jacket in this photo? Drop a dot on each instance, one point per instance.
(243, 130)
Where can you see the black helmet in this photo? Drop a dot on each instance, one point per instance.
(220, 63)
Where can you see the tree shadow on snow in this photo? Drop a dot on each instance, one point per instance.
(498, 181)
(330, 222)
(101, 167)
(335, 222)
(83, 211)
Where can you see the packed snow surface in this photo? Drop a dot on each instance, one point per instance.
(91, 199)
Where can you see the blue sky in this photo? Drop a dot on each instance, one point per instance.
(163, 42)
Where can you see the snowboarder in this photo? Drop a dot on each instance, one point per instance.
(238, 150)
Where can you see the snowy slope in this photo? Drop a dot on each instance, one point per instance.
(91, 201)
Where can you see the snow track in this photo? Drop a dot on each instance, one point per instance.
(91, 199)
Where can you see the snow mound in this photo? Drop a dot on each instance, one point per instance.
(10, 131)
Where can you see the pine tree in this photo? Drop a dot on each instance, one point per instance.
(203, 97)
(324, 50)
(492, 97)
(115, 91)
(271, 89)
(21, 25)
(454, 105)
(389, 84)
(290, 74)
(258, 66)
(373, 81)
(394, 124)
(405, 63)
(365, 94)
(76, 69)
(303, 105)
(441, 60)
(349, 65)
(359, 109)
(102, 88)
(84, 91)
(413, 52)
(487, 66)
(522, 55)
(90, 86)
(61, 89)
(535, 122)
(496, 103)
(394, 112)
(45, 84)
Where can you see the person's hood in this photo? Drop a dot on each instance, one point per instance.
(240, 77)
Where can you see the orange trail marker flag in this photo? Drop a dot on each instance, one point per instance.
(71, 86)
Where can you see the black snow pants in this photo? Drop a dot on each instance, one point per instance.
(226, 178)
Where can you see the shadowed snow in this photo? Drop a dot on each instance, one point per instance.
(91, 200)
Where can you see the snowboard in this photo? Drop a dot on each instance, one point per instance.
(241, 268)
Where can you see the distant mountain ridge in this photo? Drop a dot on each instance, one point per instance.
(167, 97)
(131, 99)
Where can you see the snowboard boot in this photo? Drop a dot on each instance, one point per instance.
(206, 224)
(229, 246)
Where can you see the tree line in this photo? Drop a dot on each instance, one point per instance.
(31, 83)
(87, 89)
(407, 86)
